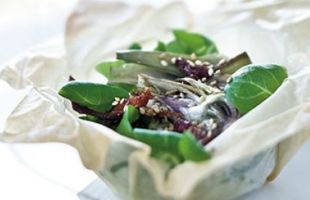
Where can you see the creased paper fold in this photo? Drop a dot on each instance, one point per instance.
(252, 150)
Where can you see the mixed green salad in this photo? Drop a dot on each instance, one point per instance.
(176, 98)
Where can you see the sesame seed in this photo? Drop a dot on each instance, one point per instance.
(142, 110)
(213, 83)
(194, 122)
(179, 58)
(164, 63)
(150, 112)
(198, 62)
(175, 96)
(181, 95)
(209, 134)
(222, 61)
(117, 99)
(171, 127)
(193, 56)
(229, 80)
(214, 125)
(210, 71)
(156, 98)
(200, 125)
(122, 101)
(206, 63)
(114, 103)
(154, 106)
(163, 108)
(156, 109)
(150, 103)
(211, 121)
(162, 55)
(217, 71)
(203, 79)
(173, 60)
(190, 63)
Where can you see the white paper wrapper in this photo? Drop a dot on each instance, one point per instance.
(253, 150)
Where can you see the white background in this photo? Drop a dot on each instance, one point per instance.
(35, 171)
(54, 171)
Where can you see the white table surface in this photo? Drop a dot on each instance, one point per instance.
(54, 171)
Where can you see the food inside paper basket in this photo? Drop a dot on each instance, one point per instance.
(177, 98)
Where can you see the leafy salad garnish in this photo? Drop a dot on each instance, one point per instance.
(176, 98)
(253, 84)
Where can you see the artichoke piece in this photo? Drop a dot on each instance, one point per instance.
(163, 60)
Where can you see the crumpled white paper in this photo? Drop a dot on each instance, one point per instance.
(253, 150)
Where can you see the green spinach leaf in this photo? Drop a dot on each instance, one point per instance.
(164, 140)
(252, 84)
(159, 139)
(131, 114)
(188, 43)
(176, 46)
(191, 149)
(126, 86)
(182, 146)
(135, 46)
(107, 68)
(160, 46)
(166, 145)
(97, 97)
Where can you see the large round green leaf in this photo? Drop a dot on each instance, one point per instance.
(252, 84)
